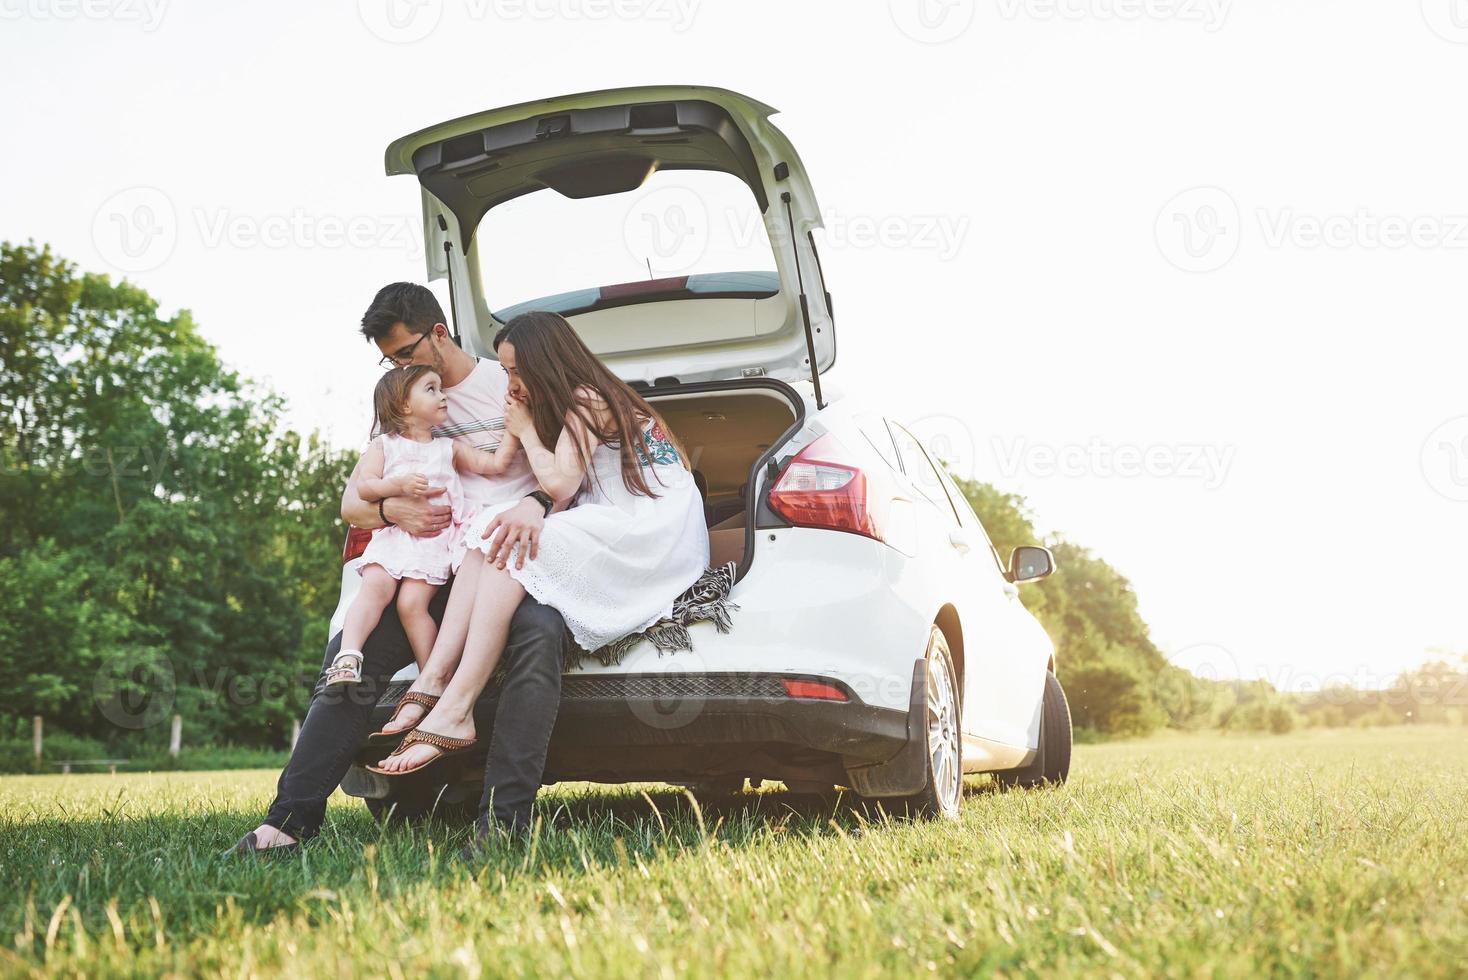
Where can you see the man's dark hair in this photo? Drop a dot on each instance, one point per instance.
(408, 303)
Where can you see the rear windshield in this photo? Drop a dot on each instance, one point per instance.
(679, 223)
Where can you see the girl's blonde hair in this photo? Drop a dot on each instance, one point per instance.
(390, 398)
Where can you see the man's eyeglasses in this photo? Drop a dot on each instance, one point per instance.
(403, 357)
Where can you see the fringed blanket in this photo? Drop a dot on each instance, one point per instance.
(705, 601)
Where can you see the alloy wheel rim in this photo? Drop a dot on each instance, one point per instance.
(943, 745)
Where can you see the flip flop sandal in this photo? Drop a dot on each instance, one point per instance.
(447, 745)
(424, 701)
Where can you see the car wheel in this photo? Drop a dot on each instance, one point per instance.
(943, 788)
(411, 801)
(1052, 764)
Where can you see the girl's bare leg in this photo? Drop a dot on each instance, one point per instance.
(448, 646)
(413, 598)
(496, 600)
(365, 612)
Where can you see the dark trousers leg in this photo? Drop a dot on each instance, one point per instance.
(519, 715)
(336, 724)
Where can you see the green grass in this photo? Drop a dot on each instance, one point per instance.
(1321, 853)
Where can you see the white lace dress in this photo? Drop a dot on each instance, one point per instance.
(614, 562)
(402, 554)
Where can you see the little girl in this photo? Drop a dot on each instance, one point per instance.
(406, 459)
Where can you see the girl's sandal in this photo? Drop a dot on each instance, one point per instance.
(424, 701)
(447, 745)
(346, 668)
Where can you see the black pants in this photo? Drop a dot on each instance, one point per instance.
(514, 718)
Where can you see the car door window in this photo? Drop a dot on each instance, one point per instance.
(966, 515)
(919, 469)
(876, 433)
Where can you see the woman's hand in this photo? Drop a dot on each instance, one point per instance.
(518, 422)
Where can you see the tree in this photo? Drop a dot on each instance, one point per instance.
(156, 510)
(1113, 673)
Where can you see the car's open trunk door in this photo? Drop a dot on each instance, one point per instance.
(694, 328)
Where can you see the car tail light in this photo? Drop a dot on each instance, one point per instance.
(813, 689)
(356, 543)
(823, 486)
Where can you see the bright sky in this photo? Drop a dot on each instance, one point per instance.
(1188, 274)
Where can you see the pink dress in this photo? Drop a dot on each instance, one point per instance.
(397, 551)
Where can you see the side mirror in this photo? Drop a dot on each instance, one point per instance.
(1030, 563)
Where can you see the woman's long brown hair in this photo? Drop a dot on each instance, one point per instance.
(553, 362)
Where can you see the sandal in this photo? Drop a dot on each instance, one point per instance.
(346, 668)
(424, 701)
(447, 745)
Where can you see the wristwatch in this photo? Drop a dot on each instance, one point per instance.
(545, 499)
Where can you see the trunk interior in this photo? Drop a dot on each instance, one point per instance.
(726, 431)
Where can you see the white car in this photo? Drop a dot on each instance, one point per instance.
(879, 643)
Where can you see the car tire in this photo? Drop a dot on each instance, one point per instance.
(943, 747)
(1052, 764)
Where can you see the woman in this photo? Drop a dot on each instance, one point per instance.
(611, 565)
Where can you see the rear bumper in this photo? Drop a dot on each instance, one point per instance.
(669, 726)
(722, 709)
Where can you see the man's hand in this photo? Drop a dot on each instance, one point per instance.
(520, 525)
(417, 516)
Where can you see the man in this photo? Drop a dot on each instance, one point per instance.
(407, 324)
